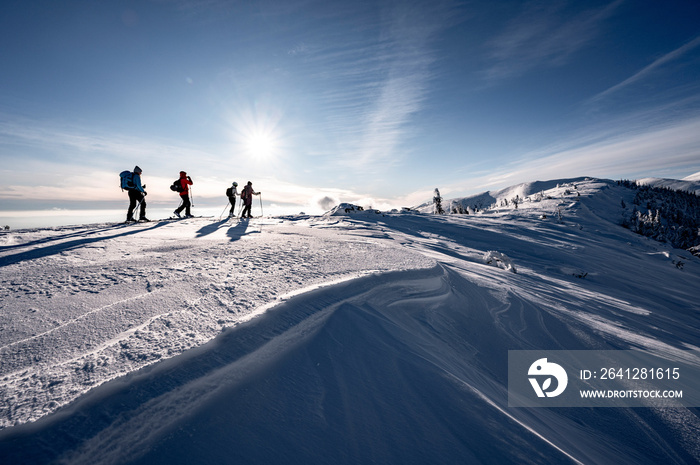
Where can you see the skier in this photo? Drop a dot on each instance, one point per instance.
(136, 194)
(247, 196)
(232, 193)
(185, 182)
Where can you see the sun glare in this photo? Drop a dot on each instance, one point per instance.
(256, 134)
(261, 145)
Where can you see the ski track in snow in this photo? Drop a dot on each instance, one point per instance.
(69, 322)
(296, 334)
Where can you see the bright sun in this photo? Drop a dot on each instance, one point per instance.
(261, 145)
(257, 136)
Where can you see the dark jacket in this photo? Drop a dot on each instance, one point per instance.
(247, 194)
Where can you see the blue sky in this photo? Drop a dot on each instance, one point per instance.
(373, 102)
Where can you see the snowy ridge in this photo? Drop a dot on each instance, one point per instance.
(489, 199)
(529, 190)
(689, 184)
(693, 177)
(402, 361)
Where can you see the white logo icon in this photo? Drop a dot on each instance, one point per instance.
(544, 369)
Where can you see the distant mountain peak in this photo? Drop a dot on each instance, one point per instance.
(692, 177)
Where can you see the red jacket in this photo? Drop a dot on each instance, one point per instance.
(184, 182)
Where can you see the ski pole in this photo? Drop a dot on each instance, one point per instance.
(182, 201)
(261, 207)
(136, 209)
(222, 211)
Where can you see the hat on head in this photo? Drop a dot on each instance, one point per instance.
(137, 170)
(235, 184)
(250, 183)
(182, 173)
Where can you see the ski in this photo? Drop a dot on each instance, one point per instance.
(135, 222)
(185, 218)
(171, 218)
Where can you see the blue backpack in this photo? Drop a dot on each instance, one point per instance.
(126, 180)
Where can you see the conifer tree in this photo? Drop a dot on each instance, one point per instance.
(437, 203)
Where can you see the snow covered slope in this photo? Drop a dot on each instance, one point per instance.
(388, 344)
(495, 199)
(688, 184)
(693, 177)
(83, 305)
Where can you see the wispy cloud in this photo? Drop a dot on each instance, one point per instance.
(648, 70)
(380, 80)
(66, 162)
(74, 143)
(543, 35)
(655, 151)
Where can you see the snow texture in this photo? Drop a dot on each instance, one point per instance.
(346, 338)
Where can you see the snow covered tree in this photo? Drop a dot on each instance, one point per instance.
(437, 203)
(664, 214)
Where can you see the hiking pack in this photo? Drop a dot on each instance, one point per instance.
(229, 192)
(176, 186)
(126, 180)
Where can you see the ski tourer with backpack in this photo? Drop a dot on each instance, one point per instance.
(130, 181)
